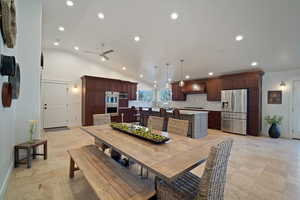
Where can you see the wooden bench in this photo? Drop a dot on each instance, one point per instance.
(110, 180)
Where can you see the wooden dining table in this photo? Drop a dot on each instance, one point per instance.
(167, 161)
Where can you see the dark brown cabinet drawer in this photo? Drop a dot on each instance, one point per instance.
(214, 120)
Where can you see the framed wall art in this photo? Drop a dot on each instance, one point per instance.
(275, 97)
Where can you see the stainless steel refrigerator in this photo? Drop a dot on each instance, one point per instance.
(234, 111)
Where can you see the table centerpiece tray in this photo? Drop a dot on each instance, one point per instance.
(140, 132)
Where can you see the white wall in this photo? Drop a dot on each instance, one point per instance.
(29, 54)
(65, 66)
(7, 133)
(271, 81)
(14, 120)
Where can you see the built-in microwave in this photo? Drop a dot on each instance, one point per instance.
(123, 95)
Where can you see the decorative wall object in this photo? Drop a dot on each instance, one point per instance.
(9, 26)
(7, 65)
(15, 82)
(6, 95)
(42, 60)
(275, 97)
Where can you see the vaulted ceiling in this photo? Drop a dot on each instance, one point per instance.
(203, 35)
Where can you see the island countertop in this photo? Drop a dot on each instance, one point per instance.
(183, 112)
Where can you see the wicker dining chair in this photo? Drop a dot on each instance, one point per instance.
(156, 123)
(210, 186)
(102, 119)
(177, 126)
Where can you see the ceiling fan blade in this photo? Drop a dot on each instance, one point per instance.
(104, 56)
(107, 52)
(92, 52)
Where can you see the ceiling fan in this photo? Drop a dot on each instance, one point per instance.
(102, 54)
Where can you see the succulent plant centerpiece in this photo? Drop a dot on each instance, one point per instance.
(141, 132)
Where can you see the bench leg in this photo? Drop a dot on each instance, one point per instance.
(16, 157)
(72, 168)
(34, 153)
(45, 151)
(28, 157)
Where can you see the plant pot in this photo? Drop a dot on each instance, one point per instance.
(274, 131)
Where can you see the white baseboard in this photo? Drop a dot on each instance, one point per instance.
(5, 182)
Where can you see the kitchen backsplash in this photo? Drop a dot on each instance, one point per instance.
(140, 104)
(194, 100)
(198, 100)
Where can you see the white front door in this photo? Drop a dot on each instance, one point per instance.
(296, 109)
(55, 104)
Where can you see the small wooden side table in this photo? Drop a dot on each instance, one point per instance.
(30, 147)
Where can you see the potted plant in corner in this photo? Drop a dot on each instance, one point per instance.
(274, 121)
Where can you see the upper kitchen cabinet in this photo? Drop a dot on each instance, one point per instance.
(213, 89)
(194, 87)
(242, 80)
(177, 94)
(132, 91)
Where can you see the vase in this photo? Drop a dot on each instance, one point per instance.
(274, 131)
(31, 140)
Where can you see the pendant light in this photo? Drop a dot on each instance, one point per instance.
(167, 82)
(181, 83)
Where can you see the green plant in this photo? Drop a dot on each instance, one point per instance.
(139, 131)
(273, 120)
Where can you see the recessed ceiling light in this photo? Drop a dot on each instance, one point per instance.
(253, 64)
(239, 38)
(124, 68)
(70, 3)
(155, 82)
(103, 59)
(61, 28)
(187, 76)
(100, 15)
(137, 38)
(210, 73)
(174, 16)
(141, 75)
(76, 48)
(56, 43)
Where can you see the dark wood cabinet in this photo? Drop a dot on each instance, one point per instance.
(214, 120)
(194, 87)
(213, 89)
(93, 96)
(134, 91)
(177, 94)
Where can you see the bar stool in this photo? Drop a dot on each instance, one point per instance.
(163, 114)
(176, 113)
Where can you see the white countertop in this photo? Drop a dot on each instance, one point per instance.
(184, 112)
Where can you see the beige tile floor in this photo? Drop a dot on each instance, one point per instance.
(260, 168)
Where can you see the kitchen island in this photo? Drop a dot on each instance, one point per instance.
(197, 120)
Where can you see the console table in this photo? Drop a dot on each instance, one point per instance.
(30, 146)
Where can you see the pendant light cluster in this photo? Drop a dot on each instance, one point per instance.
(181, 82)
